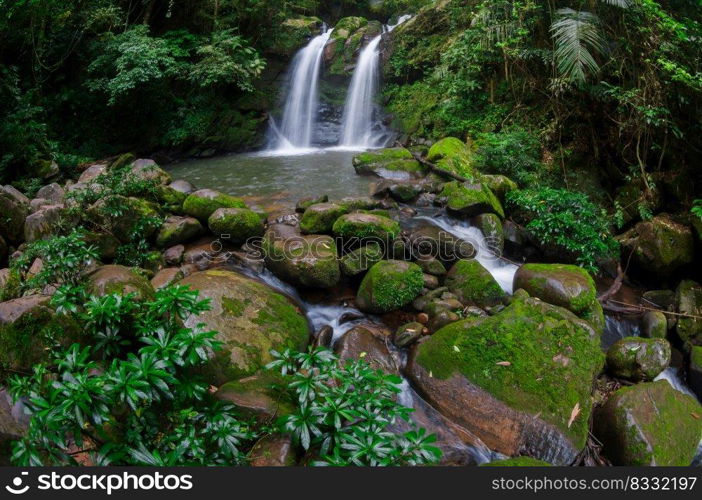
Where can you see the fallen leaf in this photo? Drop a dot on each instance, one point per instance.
(574, 414)
(455, 348)
(695, 415)
(504, 363)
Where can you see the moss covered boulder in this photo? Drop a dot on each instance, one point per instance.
(364, 226)
(302, 260)
(250, 318)
(235, 224)
(499, 184)
(517, 462)
(474, 285)
(361, 259)
(654, 325)
(259, 396)
(295, 32)
(688, 298)
(389, 285)
(129, 222)
(659, 246)
(649, 424)
(390, 163)
(176, 229)
(203, 202)
(523, 373)
(148, 170)
(120, 280)
(491, 227)
(354, 203)
(638, 359)
(320, 218)
(470, 199)
(453, 155)
(562, 285)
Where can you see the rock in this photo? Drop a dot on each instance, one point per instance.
(638, 359)
(432, 266)
(53, 193)
(431, 282)
(236, 224)
(688, 297)
(408, 334)
(106, 245)
(309, 260)
(366, 227)
(182, 186)
(92, 173)
(441, 318)
(122, 161)
(361, 342)
(320, 218)
(202, 203)
(389, 285)
(273, 451)
(658, 246)
(663, 299)
(296, 33)
(520, 372)
(42, 223)
(431, 242)
(474, 285)
(654, 325)
(14, 207)
(306, 203)
(453, 155)
(354, 203)
(147, 170)
(695, 370)
(517, 462)
(126, 225)
(13, 424)
(649, 424)
(361, 259)
(207, 252)
(491, 227)
(471, 199)
(257, 396)
(166, 277)
(173, 256)
(499, 184)
(120, 280)
(390, 163)
(250, 318)
(176, 229)
(562, 285)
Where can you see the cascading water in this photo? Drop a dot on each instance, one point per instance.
(302, 103)
(360, 112)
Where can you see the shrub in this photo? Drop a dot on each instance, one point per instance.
(515, 153)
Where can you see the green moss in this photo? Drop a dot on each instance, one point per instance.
(235, 224)
(517, 462)
(320, 218)
(471, 199)
(389, 285)
(280, 316)
(553, 360)
(696, 357)
(201, 204)
(473, 284)
(361, 226)
(361, 260)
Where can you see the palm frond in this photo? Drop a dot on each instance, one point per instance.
(622, 4)
(576, 35)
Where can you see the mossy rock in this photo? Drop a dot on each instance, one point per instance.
(175, 230)
(389, 285)
(688, 298)
(517, 462)
(261, 396)
(121, 280)
(306, 203)
(471, 199)
(389, 163)
(638, 359)
(361, 259)
(537, 361)
(353, 203)
(171, 198)
(148, 170)
(654, 325)
(14, 207)
(320, 218)
(294, 34)
(122, 161)
(203, 203)
(649, 424)
(236, 224)
(346, 26)
(124, 226)
(453, 155)
(491, 227)
(695, 370)
(366, 227)
(499, 184)
(250, 319)
(474, 285)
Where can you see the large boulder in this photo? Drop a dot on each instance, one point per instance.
(453, 155)
(659, 246)
(119, 280)
(389, 285)
(364, 226)
(320, 218)
(53, 193)
(391, 163)
(127, 224)
(688, 298)
(499, 184)
(273, 451)
(236, 224)
(258, 396)
(203, 202)
(638, 359)
(176, 229)
(250, 319)
(147, 170)
(470, 199)
(562, 285)
(491, 227)
(14, 207)
(649, 424)
(302, 260)
(520, 380)
(365, 342)
(474, 285)
(42, 223)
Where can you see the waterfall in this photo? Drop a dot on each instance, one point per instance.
(360, 111)
(300, 111)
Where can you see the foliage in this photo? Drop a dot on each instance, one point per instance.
(513, 152)
(142, 405)
(345, 413)
(696, 209)
(576, 35)
(555, 217)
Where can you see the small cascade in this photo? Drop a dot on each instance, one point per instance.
(301, 105)
(360, 126)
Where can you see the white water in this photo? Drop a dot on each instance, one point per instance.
(302, 103)
(360, 110)
(502, 270)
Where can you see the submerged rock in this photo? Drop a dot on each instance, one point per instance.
(523, 373)
(638, 359)
(202, 203)
(389, 285)
(474, 285)
(649, 424)
(250, 318)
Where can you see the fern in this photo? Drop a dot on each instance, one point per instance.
(576, 35)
